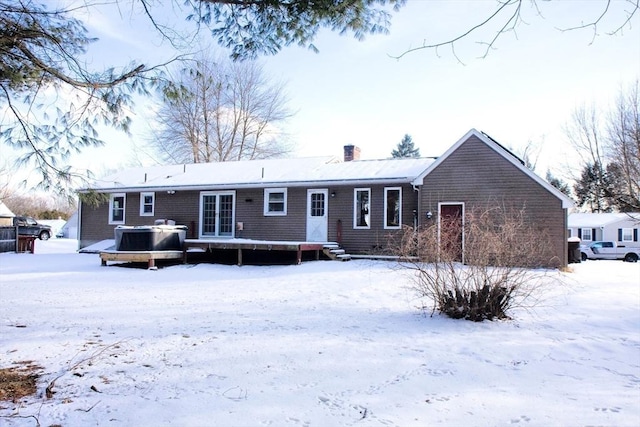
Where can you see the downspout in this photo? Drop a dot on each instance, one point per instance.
(79, 236)
(417, 188)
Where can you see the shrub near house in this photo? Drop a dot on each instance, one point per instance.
(495, 271)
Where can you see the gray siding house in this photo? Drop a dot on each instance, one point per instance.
(360, 204)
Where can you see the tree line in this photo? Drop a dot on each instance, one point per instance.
(607, 142)
(212, 110)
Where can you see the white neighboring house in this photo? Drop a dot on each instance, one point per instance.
(6, 216)
(623, 228)
(70, 229)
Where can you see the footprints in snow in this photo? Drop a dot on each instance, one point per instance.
(614, 409)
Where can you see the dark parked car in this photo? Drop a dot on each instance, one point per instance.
(28, 226)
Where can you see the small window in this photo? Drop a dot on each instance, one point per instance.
(317, 204)
(116, 208)
(607, 244)
(569, 232)
(627, 234)
(361, 208)
(275, 201)
(147, 202)
(392, 207)
(586, 234)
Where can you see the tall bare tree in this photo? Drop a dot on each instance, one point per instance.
(585, 133)
(623, 131)
(608, 146)
(220, 110)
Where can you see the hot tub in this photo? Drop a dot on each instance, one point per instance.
(150, 237)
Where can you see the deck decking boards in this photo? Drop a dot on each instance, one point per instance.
(256, 245)
(139, 256)
(196, 245)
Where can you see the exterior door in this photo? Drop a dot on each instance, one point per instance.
(216, 214)
(451, 227)
(317, 215)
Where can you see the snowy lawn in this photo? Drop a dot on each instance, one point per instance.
(319, 344)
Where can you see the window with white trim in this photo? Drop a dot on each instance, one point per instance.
(627, 234)
(392, 207)
(147, 204)
(361, 208)
(117, 203)
(586, 234)
(275, 201)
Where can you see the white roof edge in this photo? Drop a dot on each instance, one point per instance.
(289, 184)
(591, 216)
(566, 201)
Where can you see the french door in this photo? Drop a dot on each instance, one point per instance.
(217, 214)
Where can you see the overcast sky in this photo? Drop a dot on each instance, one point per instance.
(355, 92)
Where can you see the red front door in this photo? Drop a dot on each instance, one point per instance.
(451, 230)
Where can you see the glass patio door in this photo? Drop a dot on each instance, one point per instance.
(217, 214)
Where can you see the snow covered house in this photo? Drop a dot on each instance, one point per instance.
(6, 216)
(357, 203)
(623, 228)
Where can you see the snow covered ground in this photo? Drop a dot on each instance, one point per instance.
(319, 344)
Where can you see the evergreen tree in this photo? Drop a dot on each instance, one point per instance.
(619, 195)
(592, 188)
(405, 149)
(558, 183)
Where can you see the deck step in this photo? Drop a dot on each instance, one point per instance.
(335, 252)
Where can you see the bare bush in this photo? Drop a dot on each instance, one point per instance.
(480, 266)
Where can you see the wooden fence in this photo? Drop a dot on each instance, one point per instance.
(8, 239)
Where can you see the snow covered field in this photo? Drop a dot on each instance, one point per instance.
(319, 344)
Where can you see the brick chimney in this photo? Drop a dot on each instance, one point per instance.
(351, 152)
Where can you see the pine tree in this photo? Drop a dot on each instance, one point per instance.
(558, 183)
(591, 188)
(405, 149)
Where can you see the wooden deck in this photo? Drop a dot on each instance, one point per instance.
(139, 256)
(239, 246)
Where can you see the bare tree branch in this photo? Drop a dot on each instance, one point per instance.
(508, 22)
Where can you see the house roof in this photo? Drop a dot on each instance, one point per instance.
(309, 171)
(5, 212)
(567, 202)
(593, 220)
(264, 173)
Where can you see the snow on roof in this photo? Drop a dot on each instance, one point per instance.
(592, 220)
(5, 212)
(264, 173)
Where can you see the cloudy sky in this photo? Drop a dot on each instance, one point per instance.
(355, 92)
